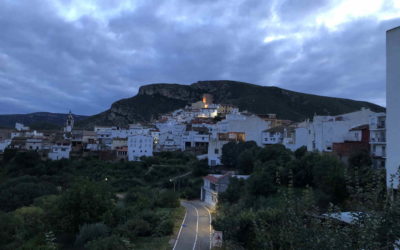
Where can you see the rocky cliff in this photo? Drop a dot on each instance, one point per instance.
(156, 99)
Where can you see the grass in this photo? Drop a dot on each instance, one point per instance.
(162, 243)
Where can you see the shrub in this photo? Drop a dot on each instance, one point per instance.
(89, 232)
(168, 199)
(166, 227)
(110, 243)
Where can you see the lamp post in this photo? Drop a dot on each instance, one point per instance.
(171, 180)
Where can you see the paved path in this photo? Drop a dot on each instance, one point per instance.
(195, 230)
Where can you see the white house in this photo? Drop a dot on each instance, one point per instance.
(235, 127)
(393, 104)
(170, 137)
(214, 184)
(34, 144)
(4, 144)
(59, 151)
(21, 127)
(249, 124)
(138, 146)
(194, 139)
(273, 135)
(323, 131)
(296, 137)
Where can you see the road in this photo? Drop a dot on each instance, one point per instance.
(195, 231)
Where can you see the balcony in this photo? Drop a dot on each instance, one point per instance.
(379, 140)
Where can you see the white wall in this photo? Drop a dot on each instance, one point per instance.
(393, 103)
(59, 152)
(4, 144)
(326, 130)
(138, 146)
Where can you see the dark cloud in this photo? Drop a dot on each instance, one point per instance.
(52, 60)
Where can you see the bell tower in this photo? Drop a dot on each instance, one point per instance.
(69, 125)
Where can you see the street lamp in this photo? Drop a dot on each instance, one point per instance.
(171, 180)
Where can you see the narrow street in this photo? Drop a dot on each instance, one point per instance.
(195, 230)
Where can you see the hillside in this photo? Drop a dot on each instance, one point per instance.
(155, 99)
(40, 120)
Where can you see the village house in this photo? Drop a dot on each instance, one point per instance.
(273, 135)
(296, 136)
(356, 140)
(326, 130)
(122, 153)
(138, 146)
(60, 150)
(214, 184)
(34, 144)
(195, 139)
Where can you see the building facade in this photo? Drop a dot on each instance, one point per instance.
(393, 105)
(138, 146)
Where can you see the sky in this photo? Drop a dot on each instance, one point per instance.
(61, 55)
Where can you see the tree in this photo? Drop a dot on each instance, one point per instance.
(89, 232)
(32, 219)
(246, 160)
(110, 243)
(328, 176)
(21, 191)
(9, 225)
(232, 150)
(84, 203)
(234, 191)
(262, 182)
(199, 168)
(276, 152)
(229, 154)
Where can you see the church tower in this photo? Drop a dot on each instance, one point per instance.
(69, 125)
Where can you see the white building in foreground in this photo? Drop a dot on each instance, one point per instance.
(215, 184)
(326, 130)
(393, 104)
(139, 145)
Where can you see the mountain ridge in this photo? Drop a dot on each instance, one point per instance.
(153, 100)
(37, 120)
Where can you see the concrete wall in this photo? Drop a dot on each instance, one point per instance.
(393, 103)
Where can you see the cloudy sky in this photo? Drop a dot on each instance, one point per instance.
(57, 55)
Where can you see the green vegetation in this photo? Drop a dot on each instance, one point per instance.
(280, 205)
(92, 204)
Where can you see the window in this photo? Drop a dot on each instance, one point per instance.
(216, 151)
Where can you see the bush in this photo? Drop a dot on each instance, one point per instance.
(32, 219)
(168, 199)
(166, 227)
(110, 243)
(89, 232)
(22, 191)
(137, 227)
(84, 203)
